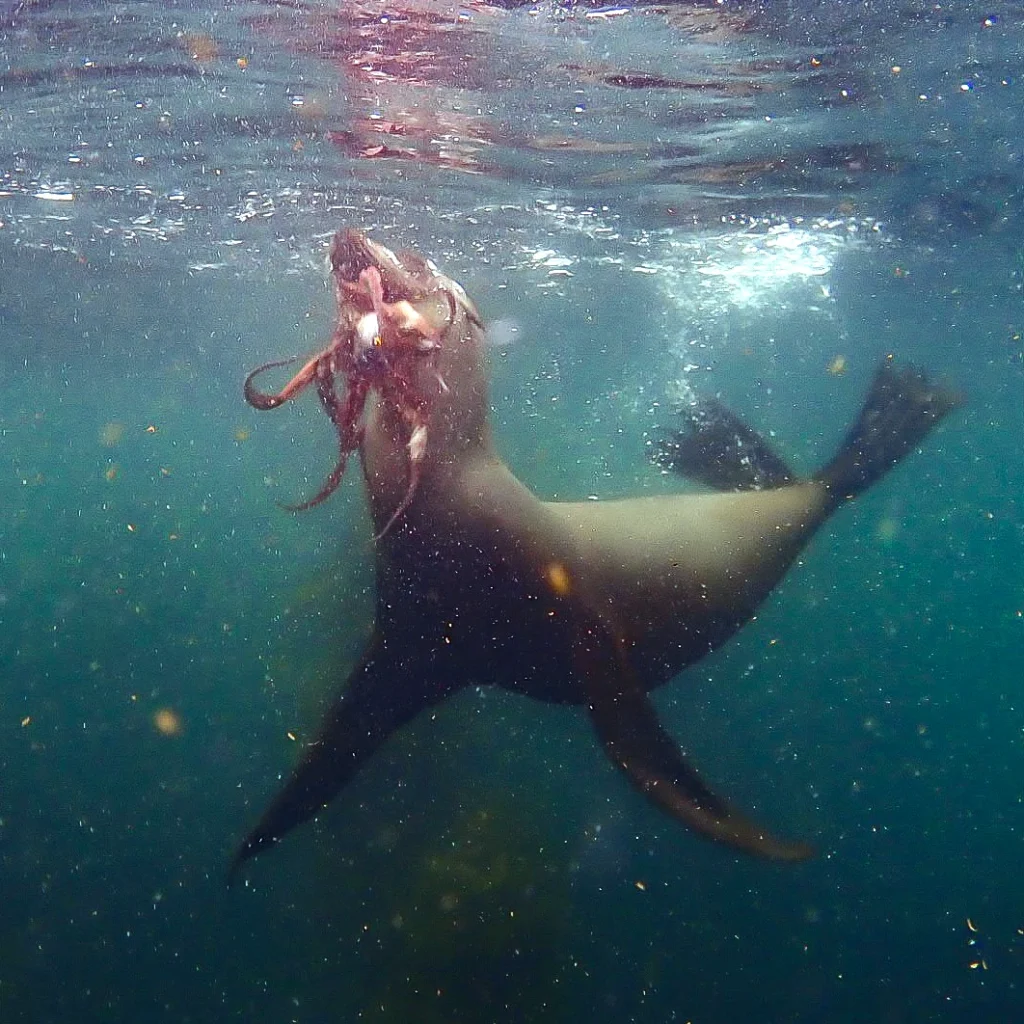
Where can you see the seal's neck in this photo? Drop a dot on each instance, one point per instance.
(457, 432)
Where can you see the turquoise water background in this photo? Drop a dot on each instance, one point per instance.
(169, 635)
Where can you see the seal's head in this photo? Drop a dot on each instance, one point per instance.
(403, 329)
(391, 309)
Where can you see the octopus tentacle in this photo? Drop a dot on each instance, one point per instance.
(345, 416)
(265, 400)
(330, 485)
(417, 449)
(401, 317)
(261, 399)
(325, 389)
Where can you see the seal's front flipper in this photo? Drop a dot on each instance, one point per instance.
(902, 407)
(382, 694)
(715, 447)
(634, 739)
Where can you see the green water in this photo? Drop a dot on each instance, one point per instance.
(490, 865)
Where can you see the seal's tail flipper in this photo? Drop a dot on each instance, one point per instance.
(380, 697)
(715, 447)
(635, 741)
(901, 408)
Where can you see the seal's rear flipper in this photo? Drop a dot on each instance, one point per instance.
(902, 407)
(381, 696)
(634, 739)
(715, 447)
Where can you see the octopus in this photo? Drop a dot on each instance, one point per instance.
(371, 347)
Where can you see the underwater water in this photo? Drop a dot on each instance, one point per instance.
(753, 201)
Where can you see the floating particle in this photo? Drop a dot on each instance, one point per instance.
(167, 722)
(887, 530)
(111, 434)
(558, 578)
(201, 47)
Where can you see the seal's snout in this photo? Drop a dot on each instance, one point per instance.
(350, 254)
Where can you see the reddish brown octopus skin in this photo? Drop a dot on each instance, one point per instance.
(382, 340)
(479, 582)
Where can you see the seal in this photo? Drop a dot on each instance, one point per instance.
(480, 582)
